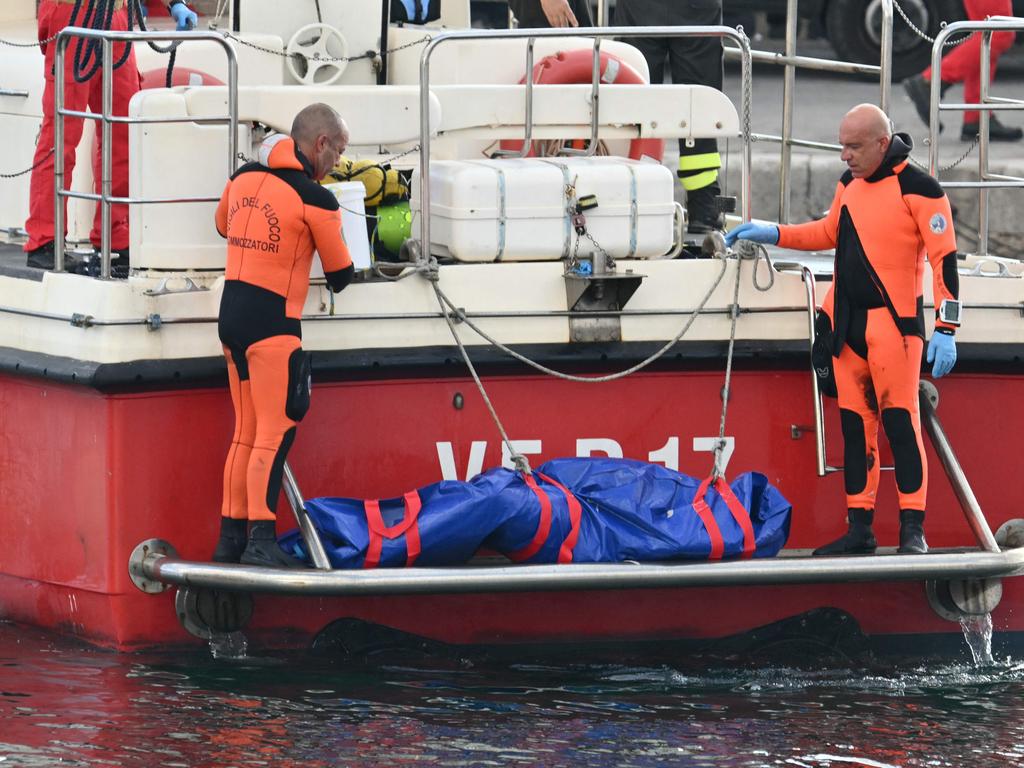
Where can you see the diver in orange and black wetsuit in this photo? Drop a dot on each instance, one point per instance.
(885, 215)
(274, 215)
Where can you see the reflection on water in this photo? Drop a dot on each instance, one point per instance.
(61, 703)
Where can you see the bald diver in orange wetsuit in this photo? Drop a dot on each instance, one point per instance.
(274, 214)
(886, 214)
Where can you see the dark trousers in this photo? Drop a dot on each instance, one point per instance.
(692, 60)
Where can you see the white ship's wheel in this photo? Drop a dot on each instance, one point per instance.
(313, 54)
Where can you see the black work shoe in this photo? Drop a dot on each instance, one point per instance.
(263, 549)
(920, 92)
(858, 539)
(43, 257)
(702, 211)
(232, 541)
(912, 532)
(996, 131)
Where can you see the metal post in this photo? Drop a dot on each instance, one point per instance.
(595, 83)
(524, 150)
(309, 534)
(933, 103)
(957, 478)
(58, 153)
(819, 416)
(602, 13)
(106, 162)
(385, 23)
(983, 131)
(885, 73)
(788, 88)
(620, 32)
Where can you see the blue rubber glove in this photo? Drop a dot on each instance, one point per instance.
(185, 17)
(942, 352)
(758, 233)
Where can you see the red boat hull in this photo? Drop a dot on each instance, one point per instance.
(87, 476)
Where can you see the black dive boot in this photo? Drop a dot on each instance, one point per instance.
(263, 549)
(912, 532)
(859, 539)
(232, 540)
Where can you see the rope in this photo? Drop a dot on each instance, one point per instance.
(461, 315)
(734, 312)
(431, 273)
(520, 461)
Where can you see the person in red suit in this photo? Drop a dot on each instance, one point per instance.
(963, 65)
(83, 82)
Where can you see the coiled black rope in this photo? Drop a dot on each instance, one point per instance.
(89, 51)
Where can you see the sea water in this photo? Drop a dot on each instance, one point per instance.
(66, 704)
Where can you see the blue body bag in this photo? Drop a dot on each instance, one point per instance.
(583, 510)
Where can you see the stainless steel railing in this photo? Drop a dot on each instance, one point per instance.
(986, 178)
(597, 33)
(791, 62)
(107, 119)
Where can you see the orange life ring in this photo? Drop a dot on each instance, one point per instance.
(157, 78)
(578, 67)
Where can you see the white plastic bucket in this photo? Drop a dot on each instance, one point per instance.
(350, 196)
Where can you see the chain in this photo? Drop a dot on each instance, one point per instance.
(328, 59)
(27, 170)
(400, 155)
(33, 44)
(954, 164)
(920, 33)
(747, 87)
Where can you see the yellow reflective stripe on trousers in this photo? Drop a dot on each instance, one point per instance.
(701, 162)
(699, 180)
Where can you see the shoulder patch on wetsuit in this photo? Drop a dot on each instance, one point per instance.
(308, 190)
(914, 181)
(846, 178)
(937, 223)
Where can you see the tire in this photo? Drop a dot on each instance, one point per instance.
(854, 29)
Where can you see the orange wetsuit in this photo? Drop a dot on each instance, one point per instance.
(274, 216)
(881, 227)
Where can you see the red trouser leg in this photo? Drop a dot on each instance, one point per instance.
(268, 376)
(126, 83)
(885, 384)
(963, 63)
(77, 96)
(236, 467)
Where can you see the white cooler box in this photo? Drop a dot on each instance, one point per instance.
(518, 209)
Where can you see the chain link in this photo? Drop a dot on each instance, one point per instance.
(27, 170)
(747, 87)
(327, 59)
(954, 164)
(920, 33)
(33, 44)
